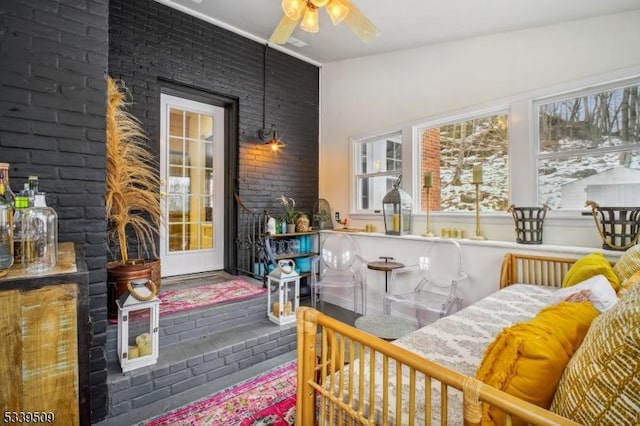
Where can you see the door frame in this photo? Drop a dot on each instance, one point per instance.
(231, 110)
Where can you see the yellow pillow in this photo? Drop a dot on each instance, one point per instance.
(628, 284)
(628, 263)
(589, 266)
(601, 383)
(527, 359)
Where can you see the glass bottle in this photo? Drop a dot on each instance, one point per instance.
(6, 242)
(39, 237)
(6, 189)
(32, 183)
(21, 204)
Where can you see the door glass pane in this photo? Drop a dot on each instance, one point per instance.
(191, 183)
(191, 124)
(176, 154)
(176, 122)
(208, 156)
(206, 127)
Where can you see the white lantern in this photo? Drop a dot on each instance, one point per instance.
(284, 292)
(138, 319)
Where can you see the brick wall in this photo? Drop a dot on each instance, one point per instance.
(52, 106)
(430, 146)
(153, 46)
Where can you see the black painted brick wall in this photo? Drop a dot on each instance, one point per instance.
(149, 41)
(52, 104)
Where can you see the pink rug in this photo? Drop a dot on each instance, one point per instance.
(269, 399)
(206, 295)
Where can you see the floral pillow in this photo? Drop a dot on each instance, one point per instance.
(596, 289)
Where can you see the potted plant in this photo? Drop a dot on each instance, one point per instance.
(132, 199)
(322, 219)
(290, 213)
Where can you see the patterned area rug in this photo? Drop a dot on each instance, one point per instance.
(267, 400)
(205, 295)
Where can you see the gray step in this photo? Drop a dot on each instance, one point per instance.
(179, 327)
(196, 364)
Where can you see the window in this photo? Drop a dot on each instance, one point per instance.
(449, 150)
(589, 148)
(378, 165)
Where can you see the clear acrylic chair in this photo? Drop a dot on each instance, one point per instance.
(339, 265)
(438, 274)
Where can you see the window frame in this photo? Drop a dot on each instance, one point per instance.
(417, 130)
(523, 148)
(354, 175)
(572, 94)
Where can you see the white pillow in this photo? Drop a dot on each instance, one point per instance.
(601, 294)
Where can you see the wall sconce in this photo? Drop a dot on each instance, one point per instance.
(271, 138)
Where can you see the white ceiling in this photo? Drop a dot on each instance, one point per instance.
(402, 23)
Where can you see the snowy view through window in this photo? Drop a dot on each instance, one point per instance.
(589, 148)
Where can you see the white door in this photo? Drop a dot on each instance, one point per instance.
(192, 175)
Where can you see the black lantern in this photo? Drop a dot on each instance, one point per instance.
(396, 207)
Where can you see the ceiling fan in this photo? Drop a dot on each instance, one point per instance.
(338, 11)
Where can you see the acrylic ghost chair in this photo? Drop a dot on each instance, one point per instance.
(438, 274)
(339, 265)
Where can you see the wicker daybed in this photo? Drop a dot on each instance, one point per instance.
(412, 380)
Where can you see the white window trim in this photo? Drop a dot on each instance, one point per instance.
(353, 190)
(522, 157)
(536, 155)
(417, 129)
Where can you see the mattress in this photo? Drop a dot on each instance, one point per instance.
(457, 342)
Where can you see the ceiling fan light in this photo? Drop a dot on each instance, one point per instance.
(319, 3)
(310, 20)
(337, 11)
(293, 8)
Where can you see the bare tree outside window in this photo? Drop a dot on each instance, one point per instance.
(449, 152)
(589, 148)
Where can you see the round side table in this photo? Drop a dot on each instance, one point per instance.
(387, 327)
(386, 266)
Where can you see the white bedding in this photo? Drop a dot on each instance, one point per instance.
(458, 342)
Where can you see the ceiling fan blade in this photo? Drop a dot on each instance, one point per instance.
(284, 30)
(360, 24)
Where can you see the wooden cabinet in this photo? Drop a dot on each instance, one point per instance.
(44, 355)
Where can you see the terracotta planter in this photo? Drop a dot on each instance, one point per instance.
(118, 275)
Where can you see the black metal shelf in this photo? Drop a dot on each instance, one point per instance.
(295, 255)
(295, 234)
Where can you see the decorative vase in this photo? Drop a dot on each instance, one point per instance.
(291, 228)
(302, 223)
(118, 276)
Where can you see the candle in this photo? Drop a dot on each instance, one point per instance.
(396, 222)
(477, 174)
(144, 344)
(133, 352)
(428, 180)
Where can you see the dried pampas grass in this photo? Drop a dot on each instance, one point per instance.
(133, 186)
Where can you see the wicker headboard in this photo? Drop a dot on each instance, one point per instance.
(534, 269)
